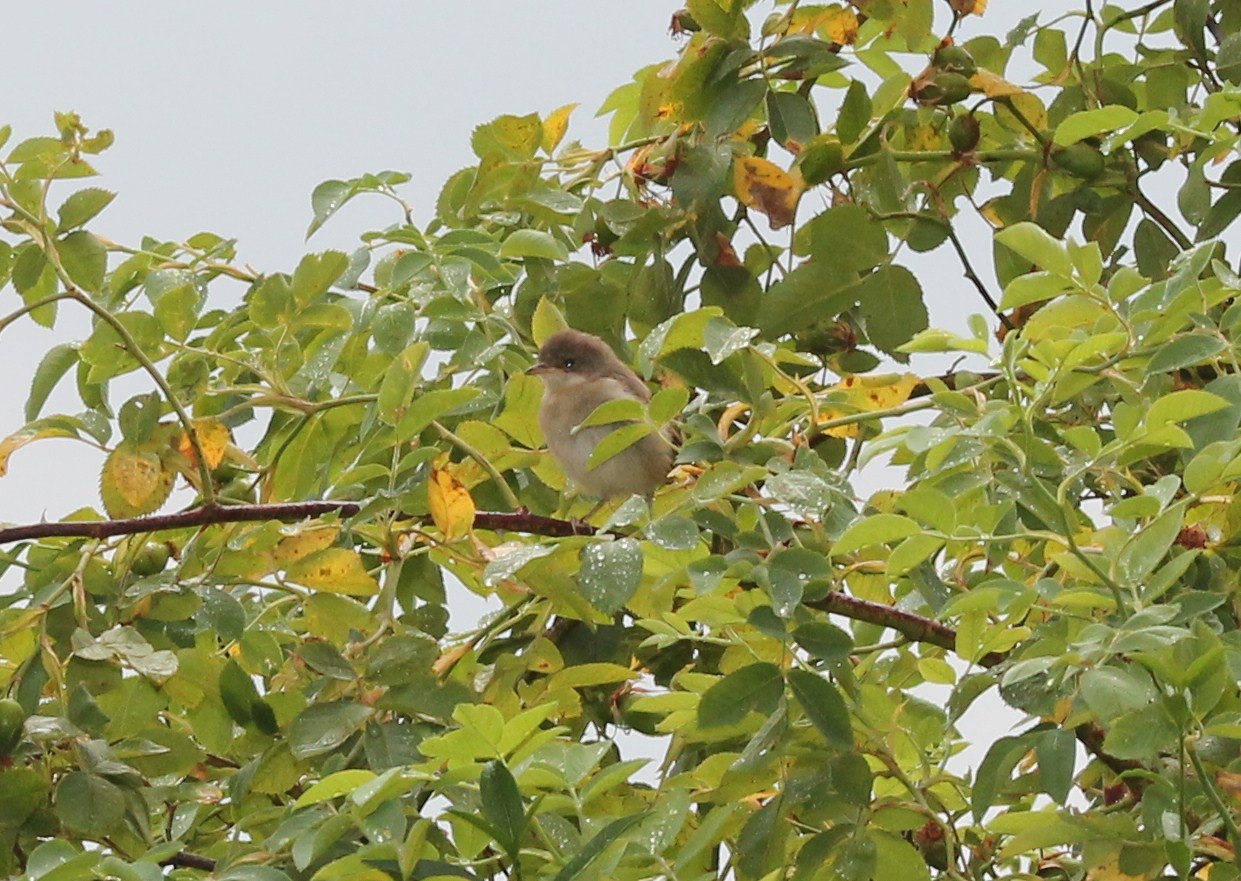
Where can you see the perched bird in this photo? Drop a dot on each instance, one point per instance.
(580, 372)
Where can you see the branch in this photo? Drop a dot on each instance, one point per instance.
(205, 515)
(532, 524)
(913, 627)
(919, 629)
(186, 860)
(916, 628)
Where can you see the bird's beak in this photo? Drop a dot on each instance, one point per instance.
(540, 368)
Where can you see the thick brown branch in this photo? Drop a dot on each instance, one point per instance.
(913, 627)
(204, 516)
(185, 860)
(532, 524)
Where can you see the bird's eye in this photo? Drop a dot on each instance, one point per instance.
(569, 362)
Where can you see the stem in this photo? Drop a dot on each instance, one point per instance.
(1225, 815)
(471, 451)
(984, 156)
(30, 307)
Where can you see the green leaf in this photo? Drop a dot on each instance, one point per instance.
(1035, 244)
(618, 441)
(610, 573)
(1056, 750)
(827, 642)
(791, 118)
(1088, 123)
(55, 364)
(533, 243)
(1185, 351)
(809, 293)
(85, 259)
(326, 200)
(335, 785)
(321, 728)
(600, 842)
(890, 302)
(1182, 405)
(315, 274)
(995, 772)
(1143, 552)
(1189, 19)
(855, 112)
(546, 321)
(81, 206)
(429, 406)
(177, 311)
(761, 842)
(502, 805)
(89, 805)
(755, 687)
(875, 530)
(823, 706)
(1033, 287)
(847, 238)
(722, 338)
(668, 404)
(616, 410)
(1143, 734)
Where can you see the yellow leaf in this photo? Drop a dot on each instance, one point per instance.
(993, 85)
(133, 482)
(834, 23)
(968, 7)
(555, 125)
(765, 187)
(864, 394)
(19, 439)
(840, 26)
(452, 508)
(334, 570)
(213, 437)
(11, 443)
(303, 543)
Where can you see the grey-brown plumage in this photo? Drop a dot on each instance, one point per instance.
(580, 372)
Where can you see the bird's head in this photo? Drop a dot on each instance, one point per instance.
(570, 357)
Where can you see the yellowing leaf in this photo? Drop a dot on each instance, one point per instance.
(11, 443)
(555, 125)
(452, 508)
(835, 23)
(335, 570)
(865, 394)
(133, 482)
(968, 7)
(765, 187)
(840, 26)
(303, 543)
(19, 439)
(213, 437)
(993, 85)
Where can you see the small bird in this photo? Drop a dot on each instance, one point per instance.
(580, 372)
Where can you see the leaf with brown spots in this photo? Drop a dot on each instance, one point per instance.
(766, 187)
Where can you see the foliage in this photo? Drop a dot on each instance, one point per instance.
(265, 689)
